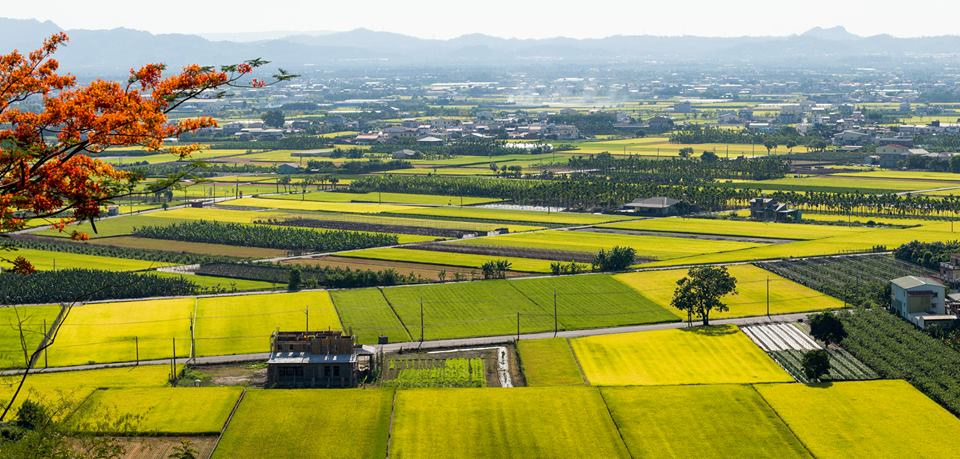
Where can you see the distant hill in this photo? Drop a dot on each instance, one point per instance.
(112, 52)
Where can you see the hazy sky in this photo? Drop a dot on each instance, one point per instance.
(505, 18)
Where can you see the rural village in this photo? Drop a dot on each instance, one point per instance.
(366, 258)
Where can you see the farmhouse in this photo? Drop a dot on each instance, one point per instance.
(405, 154)
(771, 210)
(317, 359)
(657, 206)
(921, 300)
(891, 155)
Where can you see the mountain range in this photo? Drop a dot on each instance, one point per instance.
(112, 52)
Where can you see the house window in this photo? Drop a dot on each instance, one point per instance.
(326, 370)
(336, 370)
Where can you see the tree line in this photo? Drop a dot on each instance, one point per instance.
(680, 170)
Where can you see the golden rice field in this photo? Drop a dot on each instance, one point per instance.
(786, 296)
(872, 418)
(714, 355)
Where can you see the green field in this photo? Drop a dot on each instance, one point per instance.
(715, 355)
(870, 418)
(33, 319)
(345, 207)
(393, 198)
(106, 332)
(368, 314)
(164, 410)
(506, 215)
(309, 423)
(838, 183)
(47, 260)
(786, 296)
(243, 323)
(700, 421)
(661, 146)
(904, 175)
(202, 248)
(529, 265)
(549, 362)
(653, 247)
(466, 309)
(226, 283)
(518, 422)
(444, 171)
(736, 228)
(591, 301)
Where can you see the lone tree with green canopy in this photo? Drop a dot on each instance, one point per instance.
(827, 327)
(816, 364)
(700, 292)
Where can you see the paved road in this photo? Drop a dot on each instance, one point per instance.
(446, 343)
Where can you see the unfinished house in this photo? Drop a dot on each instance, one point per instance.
(317, 359)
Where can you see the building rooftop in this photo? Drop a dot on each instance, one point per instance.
(908, 282)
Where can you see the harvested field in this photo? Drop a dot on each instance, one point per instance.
(464, 260)
(163, 447)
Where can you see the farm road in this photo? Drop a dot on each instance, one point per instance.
(439, 344)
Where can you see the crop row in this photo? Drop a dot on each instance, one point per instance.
(69, 285)
(118, 252)
(456, 372)
(896, 349)
(310, 276)
(294, 239)
(843, 365)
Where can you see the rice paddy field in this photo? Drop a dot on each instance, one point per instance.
(549, 362)
(509, 215)
(873, 418)
(368, 314)
(108, 332)
(903, 175)
(661, 146)
(838, 183)
(394, 198)
(362, 433)
(863, 241)
(163, 410)
(786, 296)
(668, 421)
(345, 207)
(470, 171)
(529, 265)
(650, 247)
(74, 386)
(519, 422)
(243, 323)
(47, 260)
(714, 355)
(741, 228)
(36, 321)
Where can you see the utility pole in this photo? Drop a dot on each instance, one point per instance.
(554, 313)
(173, 360)
(421, 320)
(306, 312)
(518, 325)
(45, 330)
(136, 345)
(768, 296)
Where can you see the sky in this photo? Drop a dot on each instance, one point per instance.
(504, 18)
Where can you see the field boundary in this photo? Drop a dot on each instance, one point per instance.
(606, 406)
(393, 411)
(784, 421)
(227, 422)
(395, 314)
(583, 374)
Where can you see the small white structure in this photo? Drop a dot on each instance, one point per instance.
(921, 300)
